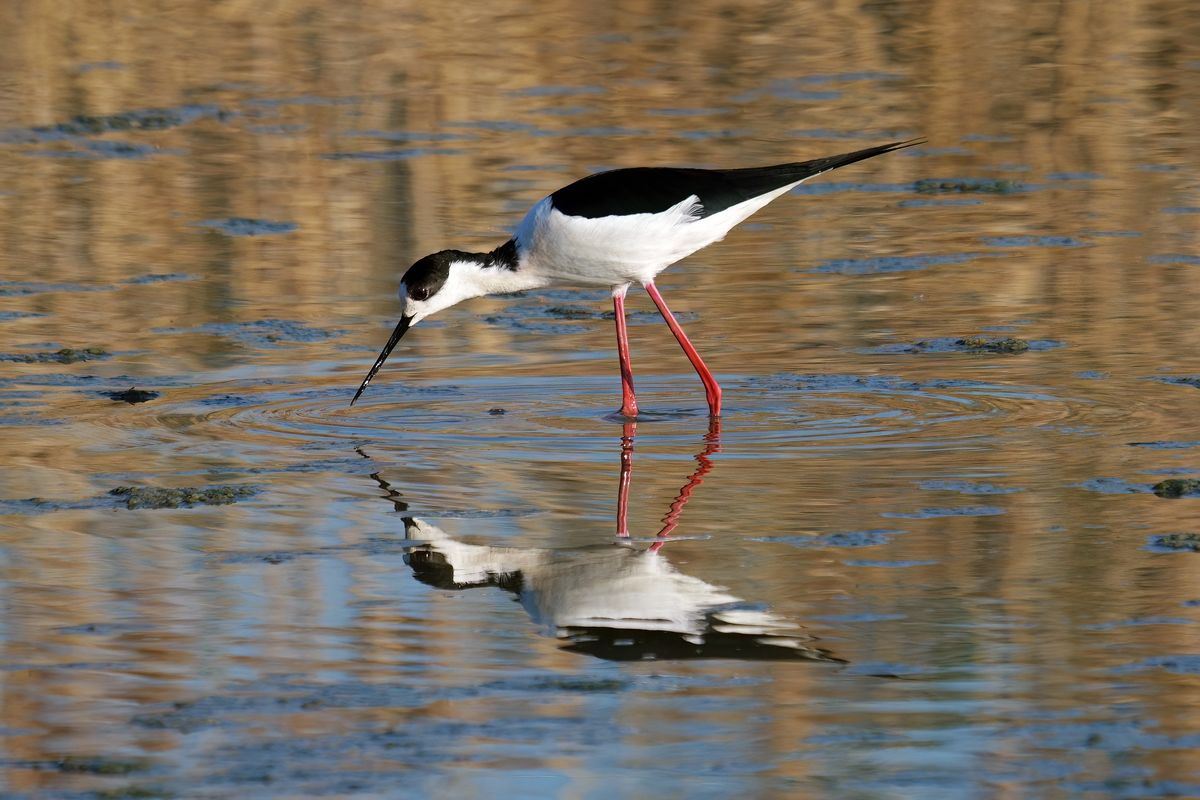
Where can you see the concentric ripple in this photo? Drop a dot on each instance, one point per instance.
(540, 416)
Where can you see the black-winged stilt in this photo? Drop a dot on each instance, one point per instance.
(611, 229)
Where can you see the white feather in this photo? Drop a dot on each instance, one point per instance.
(621, 249)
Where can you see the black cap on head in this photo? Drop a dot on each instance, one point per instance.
(428, 275)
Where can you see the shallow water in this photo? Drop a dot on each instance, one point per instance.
(899, 567)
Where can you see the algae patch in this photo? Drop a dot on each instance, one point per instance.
(963, 185)
(148, 119)
(1178, 541)
(570, 312)
(1007, 345)
(1177, 487)
(65, 355)
(137, 497)
(132, 395)
(986, 344)
(1182, 380)
(581, 684)
(100, 766)
(91, 148)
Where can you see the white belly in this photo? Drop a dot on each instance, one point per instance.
(610, 251)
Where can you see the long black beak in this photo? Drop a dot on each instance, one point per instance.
(401, 327)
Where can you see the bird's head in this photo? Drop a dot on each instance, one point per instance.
(436, 282)
(433, 283)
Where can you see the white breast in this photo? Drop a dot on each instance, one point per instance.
(620, 249)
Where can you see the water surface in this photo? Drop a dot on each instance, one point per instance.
(900, 566)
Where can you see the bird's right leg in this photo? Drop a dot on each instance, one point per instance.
(712, 390)
(629, 407)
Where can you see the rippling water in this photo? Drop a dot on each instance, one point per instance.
(896, 568)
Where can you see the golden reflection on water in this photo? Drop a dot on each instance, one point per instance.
(383, 132)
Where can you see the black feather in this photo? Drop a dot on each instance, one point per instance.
(649, 190)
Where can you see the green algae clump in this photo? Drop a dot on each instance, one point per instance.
(185, 497)
(68, 355)
(569, 312)
(1177, 487)
(984, 344)
(100, 765)
(150, 119)
(65, 355)
(1179, 541)
(964, 185)
(132, 395)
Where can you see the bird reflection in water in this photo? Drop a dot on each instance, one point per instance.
(615, 600)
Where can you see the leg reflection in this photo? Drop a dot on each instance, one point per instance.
(712, 446)
(629, 429)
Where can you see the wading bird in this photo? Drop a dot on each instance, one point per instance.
(611, 229)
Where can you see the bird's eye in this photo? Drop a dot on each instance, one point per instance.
(418, 294)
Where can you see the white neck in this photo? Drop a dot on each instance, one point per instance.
(473, 278)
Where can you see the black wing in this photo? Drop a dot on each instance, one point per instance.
(648, 190)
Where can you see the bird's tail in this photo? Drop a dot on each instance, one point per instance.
(801, 170)
(819, 165)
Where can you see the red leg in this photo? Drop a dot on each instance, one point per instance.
(711, 390)
(629, 406)
(627, 433)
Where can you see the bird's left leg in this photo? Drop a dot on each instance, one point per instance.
(711, 389)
